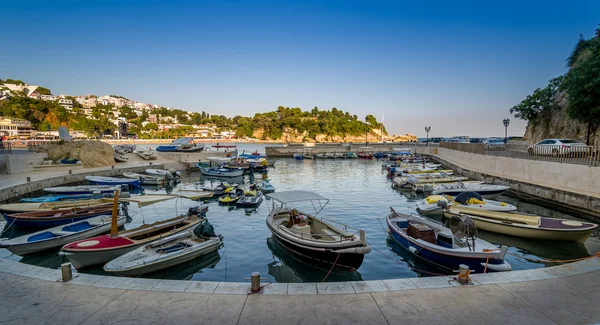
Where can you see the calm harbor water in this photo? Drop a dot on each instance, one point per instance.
(360, 196)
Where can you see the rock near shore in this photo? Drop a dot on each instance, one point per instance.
(91, 153)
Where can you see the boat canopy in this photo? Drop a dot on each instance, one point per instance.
(182, 141)
(296, 196)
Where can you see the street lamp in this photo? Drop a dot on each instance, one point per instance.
(427, 129)
(506, 122)
(366, 138)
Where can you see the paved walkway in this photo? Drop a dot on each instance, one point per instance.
(569, 300)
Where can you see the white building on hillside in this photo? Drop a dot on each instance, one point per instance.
(66, 103)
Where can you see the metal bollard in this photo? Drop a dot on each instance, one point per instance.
(70, 172)
(67, 274)
(112, 167)
(255, 282)
(463, 274)
(28, 179)
(150, 163)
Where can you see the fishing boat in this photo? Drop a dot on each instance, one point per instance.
(147, 154)
(169, 174)
(435, 203)
(105, 180)
(59, 198)
(181, 145)
(48, 206)
(313, 237)
(101, 249)
(266, 186)
(251, 197)
(461, 187)
(167, 252)
(446, 248)
(222, 172)
(83, 189)
(146, 179)
(298, 155)
(120, 156)
(59, 235)
(527, 226)
(52, 218)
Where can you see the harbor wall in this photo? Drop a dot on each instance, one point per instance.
(568, 187)
(33, 185)
(22, 163)
(315, 148)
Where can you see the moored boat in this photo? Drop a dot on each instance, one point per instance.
(231, 197)
(526, 226)
(444, 248)
(315, 238)
(60, 198)
(435, 203)
(101, 249)
(170, 174)
(146, 179)
(222, 172)
(105, 180)
(298, 155)
(251, 197)
(51, 218)
(147, 154)
(48, 206)
(220, 189)
(461, 187)
(83, 189)
(167, 252)
(266, 186)
(60, 235)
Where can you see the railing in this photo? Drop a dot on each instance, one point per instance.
(5, 147)
(583, 155)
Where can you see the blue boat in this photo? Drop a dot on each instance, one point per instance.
(69, 161)
(378, 155)
(437, 245)
(59, 198)
(104, 180)
(181, 145)
(224, 172)
(53, 218)
(266, 186)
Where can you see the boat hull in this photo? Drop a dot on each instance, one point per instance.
(233, 173)
(347, 260)
(85, 259)
(46, 222)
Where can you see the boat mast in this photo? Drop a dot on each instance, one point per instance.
(114, 228)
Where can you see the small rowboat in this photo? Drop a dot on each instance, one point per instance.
(48, 206)
(436, 203)
(526, 226)
(147, 155)
(222, 172)
(52, 218)
(461, 187)
(60, 235)
(120, 156)
(266, 186)
(83, 189)
(168, 174)
(104, 180)
(101, 249)
(146, 179)
(60, 198)
(166, 252)
(437, 245)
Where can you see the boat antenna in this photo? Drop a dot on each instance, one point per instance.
(114, 228)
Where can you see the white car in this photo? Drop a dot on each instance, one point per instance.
(494, 143)
(558, 147)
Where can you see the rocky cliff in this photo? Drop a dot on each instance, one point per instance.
(558, 124)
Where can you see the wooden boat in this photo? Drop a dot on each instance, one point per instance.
(313, 237)
(166, 252)
(526, 226)
(120, 156)
(105, 180)
(101, 249)
(60, 198)
(48, 206)
(437, 245)
(60, 235)
(461, 187)
(52, 218)
(147, 154)
(83, 189)
(251, 197)
(146, 179)
(222, 172)
(435, 203)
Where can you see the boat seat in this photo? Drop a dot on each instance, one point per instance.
(62, 233)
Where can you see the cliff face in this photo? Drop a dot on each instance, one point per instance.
(558, 124)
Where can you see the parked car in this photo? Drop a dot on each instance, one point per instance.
(558, 147)
(494, 143)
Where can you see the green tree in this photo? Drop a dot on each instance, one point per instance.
(542, 100)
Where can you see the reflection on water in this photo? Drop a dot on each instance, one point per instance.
(360, 196)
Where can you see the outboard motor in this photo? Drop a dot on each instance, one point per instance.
(205, 229)
(198, 211)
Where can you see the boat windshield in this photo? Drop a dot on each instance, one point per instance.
(284, 200)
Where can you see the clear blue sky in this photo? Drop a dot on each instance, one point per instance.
(457, 67)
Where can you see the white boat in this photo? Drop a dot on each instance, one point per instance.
(83, 189)
(320, 155)
(433, 178)
(106, 180)
(146, 179)
(222, 172)
(168, 174)
(60, 235)
(436, 203)
(47, 206)
(313, 237)
(147, 155)
(460, 187)
(167, 252)
(120, 157)
(432, 185)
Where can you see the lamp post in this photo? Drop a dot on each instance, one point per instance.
(366, 138)
(427, 129)
(506, 122)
